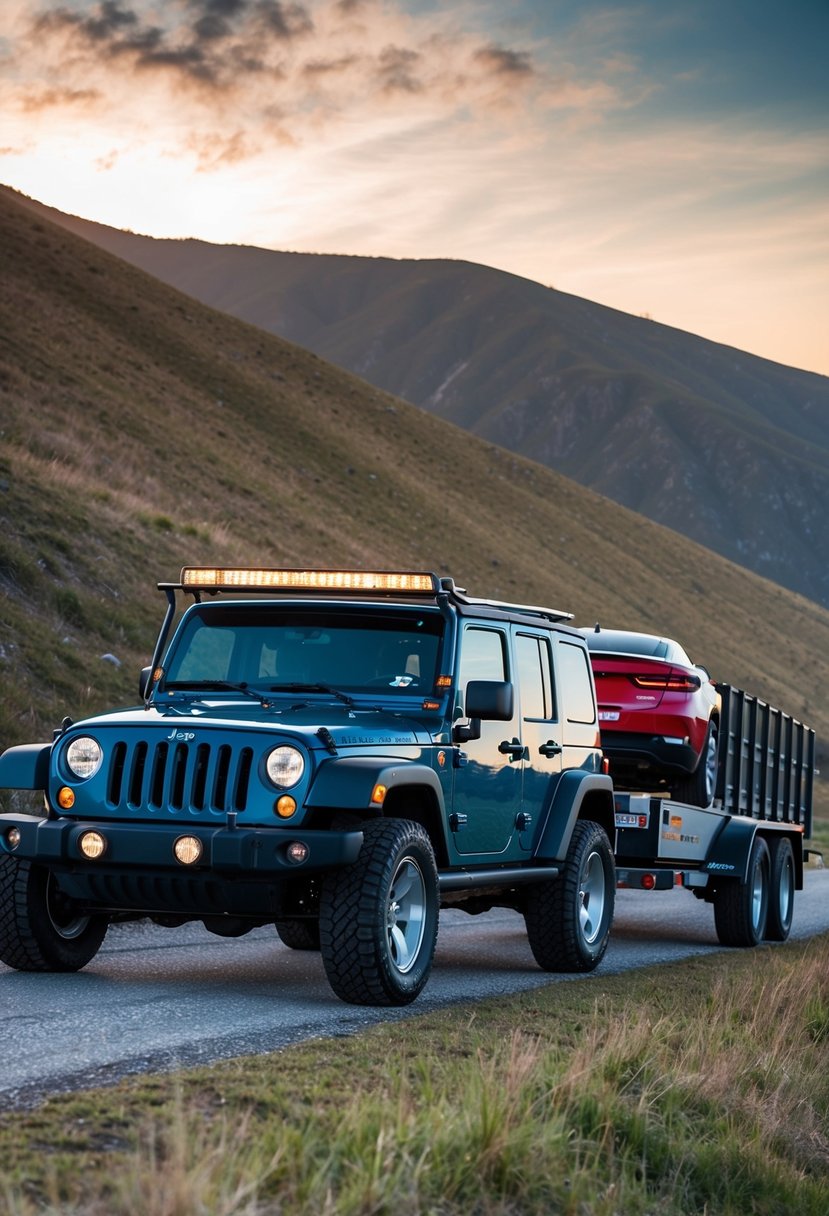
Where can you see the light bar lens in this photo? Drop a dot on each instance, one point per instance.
(210, 578)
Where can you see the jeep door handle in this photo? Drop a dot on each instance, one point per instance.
(550, 748)
(513, 748)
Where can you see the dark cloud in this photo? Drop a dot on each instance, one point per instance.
(109, 21)
(503, 62)
(217, 41)
(396, 69)
(330, 67)
(284, 20)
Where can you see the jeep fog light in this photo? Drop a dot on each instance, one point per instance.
(92, 845)
(297, 852)
(284, 766)
(83, 757)
(187, 850)
(13, 837)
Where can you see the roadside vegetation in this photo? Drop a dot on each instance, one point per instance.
(701, 1087)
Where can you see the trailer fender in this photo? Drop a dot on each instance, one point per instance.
(350, 783)
(25, 767)
(730, 851)
(577, 795)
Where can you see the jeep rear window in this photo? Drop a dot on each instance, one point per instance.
(388, 652)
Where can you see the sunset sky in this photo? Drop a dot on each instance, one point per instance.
(665, 157)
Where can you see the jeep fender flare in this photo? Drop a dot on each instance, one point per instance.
(347, 783)
(730, 850)
(25, 767)
(573, 791)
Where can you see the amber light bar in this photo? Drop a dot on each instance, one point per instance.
(208, 578)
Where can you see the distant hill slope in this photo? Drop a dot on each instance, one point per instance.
(729, 449)
(141, 430)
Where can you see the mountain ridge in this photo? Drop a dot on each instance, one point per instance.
(726, 447)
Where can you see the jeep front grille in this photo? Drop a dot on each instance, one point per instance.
(179, 776)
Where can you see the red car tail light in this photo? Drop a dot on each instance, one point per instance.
(668, 683)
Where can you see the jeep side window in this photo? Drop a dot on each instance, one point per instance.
(574, 676)
(533, 662)
(482, 656)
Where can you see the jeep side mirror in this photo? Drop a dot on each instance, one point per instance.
(490, 700)
(143, 681)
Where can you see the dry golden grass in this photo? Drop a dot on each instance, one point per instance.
(702, 1087)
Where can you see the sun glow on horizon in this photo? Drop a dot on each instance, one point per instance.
(549, 145)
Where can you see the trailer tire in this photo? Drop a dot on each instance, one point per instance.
(299, 933)
(697, 788)
(379, 916)
(781, 890)
(741, 908)
(39, 929)
(568, 918)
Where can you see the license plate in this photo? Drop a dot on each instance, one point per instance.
(626, 821)
(608, 715)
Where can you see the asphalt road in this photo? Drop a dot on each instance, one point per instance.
(157, 999)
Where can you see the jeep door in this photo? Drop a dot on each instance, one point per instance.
(540, 728)
(487, 791)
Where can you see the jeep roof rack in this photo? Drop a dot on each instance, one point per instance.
(459, 594)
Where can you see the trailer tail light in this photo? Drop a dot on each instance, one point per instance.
(648, 881)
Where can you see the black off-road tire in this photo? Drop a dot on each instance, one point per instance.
(781, 890)
(568, 918)
(299, 934)
(697, 788)
(39, 929)
(379, 917)
(741, 908)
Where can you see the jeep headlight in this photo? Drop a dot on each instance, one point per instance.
(285, 766)
(84, 757)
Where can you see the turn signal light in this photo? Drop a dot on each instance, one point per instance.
(66, 798)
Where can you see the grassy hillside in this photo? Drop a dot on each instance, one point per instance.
(727, 448)
(140, 430)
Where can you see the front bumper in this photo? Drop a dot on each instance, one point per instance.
(254, 853)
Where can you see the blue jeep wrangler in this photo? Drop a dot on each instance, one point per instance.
(336, 753)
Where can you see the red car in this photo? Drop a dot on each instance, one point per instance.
(658, 714)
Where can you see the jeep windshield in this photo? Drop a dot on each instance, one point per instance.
(256, 649)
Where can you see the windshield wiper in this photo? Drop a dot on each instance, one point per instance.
(221, 686)
(299, 687)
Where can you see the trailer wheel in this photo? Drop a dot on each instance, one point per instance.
(698, 788)
(40, 930)
(781, 890)
(568, 918)
(298, 933)
(741, 908)
(379, 917)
